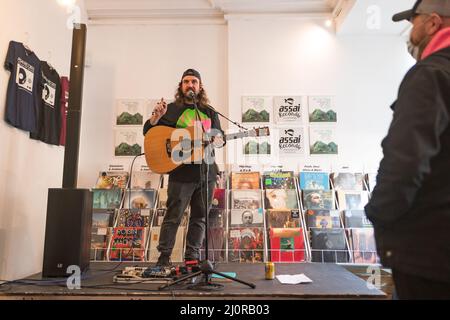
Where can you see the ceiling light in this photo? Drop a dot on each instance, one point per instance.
(66, 3)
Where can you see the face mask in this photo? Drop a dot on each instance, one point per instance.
(413, 50)
(416, 50)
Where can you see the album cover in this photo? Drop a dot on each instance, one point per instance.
(363, 244)
(324, 219)
(322, 109)
(112, 179)
(178, 249)
(128, 142)
(134, 218)
(288, 109)
(352, 200)
(281, 199)
(329, 245)
(162, 198)
(99, 244)
(348, 181)
(128, 244)
(322, 140)
(356, 219)
(283, 219)
(107, 199)
(145, 180)
(246, 245)
(256, 109)
(318, 199)
(279, 180)
(287, 245)
(102, 219)
(314, 181)
(139, 199)
(219, 199)
(245, 180)
(130, 112)
(246, 199)
(247, 217)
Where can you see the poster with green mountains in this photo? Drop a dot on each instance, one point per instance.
(322, 140)
(128, 143)
(322, 109)
(130, 112)
(256, 109)
(254, 147)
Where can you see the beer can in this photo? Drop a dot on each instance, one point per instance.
(270, 270)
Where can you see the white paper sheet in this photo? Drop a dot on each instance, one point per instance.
(293, 279)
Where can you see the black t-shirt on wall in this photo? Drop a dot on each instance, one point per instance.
(49, 126)
(182, 117)
(24, 93)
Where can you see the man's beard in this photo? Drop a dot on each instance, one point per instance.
(423, 45)
(187, 98)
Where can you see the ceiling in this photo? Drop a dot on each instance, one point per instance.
(198, 11)
(351, 16)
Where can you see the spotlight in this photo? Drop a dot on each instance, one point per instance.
(328, 23)
(66, 3)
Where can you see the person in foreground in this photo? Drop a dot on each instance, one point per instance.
(410, 205)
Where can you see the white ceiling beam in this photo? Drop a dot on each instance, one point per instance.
(341, 12)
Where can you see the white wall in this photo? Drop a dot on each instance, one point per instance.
(28, 168)
(142, 62)
(299, 57)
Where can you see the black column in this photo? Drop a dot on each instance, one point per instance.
(70, 174)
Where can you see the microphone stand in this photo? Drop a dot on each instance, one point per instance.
(233, 122)
(206, 266)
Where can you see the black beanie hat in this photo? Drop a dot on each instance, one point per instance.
(192, 72)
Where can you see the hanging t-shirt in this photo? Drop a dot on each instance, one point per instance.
(24, 93)
(64, 108)
(49, 125)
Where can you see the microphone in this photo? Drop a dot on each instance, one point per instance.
(190, 94)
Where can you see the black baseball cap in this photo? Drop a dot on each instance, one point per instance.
(441, 7)
(192, 72)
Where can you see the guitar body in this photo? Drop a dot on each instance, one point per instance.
(164, 150)
(167, 148)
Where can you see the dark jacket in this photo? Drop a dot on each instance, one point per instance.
(176, 117)
(410, 205)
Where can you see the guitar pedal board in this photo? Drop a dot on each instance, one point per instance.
(155, 274)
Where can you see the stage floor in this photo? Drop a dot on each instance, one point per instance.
(330, 281)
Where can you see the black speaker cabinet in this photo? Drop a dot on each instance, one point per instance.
(68, 231)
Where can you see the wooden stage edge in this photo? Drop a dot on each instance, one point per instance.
(330, 281)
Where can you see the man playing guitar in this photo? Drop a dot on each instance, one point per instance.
(187, 183)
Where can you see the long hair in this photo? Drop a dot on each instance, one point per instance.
(202, 97)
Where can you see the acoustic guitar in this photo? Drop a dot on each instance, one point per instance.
(167, 148)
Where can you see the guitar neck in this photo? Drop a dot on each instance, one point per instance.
(236, 135)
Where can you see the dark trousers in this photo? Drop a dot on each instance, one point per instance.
(410, 287)
(179, 196)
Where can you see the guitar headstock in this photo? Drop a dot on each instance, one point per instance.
(259, 132)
